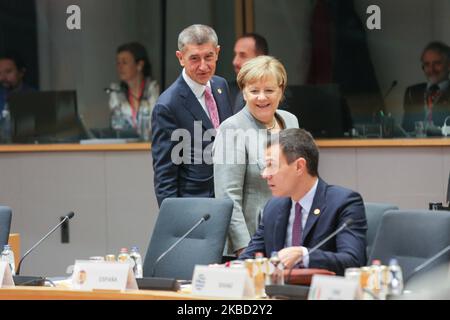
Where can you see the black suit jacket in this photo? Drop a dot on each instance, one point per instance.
(337, 205)
(178, 108)
(414, 107)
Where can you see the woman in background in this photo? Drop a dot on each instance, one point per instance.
(132, 100)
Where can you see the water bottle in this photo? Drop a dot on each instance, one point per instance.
(396, 278)
(8, 256)
(6, 125)
(137, 259)
(117, 120)
(144, 127)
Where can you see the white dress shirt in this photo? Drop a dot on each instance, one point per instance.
(198, 90)
(443, 85)
(306, 204)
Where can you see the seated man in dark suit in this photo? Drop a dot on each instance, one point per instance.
(305, 210)
(186, 116)
(430, 101)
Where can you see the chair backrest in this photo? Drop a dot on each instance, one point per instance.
(203, 246)
(374, 213)
(5, 224)
(412, 237)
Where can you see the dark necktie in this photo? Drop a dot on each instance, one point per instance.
(212, 107)
(432, 94)
(297, 226)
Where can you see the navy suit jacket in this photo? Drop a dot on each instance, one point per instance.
(414, 107)
(337, 205)
(178, 108)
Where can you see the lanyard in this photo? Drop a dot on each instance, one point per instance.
(134, 110)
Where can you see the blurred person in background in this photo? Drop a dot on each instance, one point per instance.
(12, 73)
(247, 46)
(430, 101)
(133, 99)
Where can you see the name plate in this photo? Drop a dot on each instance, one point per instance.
(6, 279)
(89, 275)
(333, 288)
(222, 282)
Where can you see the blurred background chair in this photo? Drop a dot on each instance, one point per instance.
(5, 224)
(412, 237)
(374, 213)
(203, 246)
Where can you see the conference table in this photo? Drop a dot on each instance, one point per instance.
(300, 277)
(55, 293)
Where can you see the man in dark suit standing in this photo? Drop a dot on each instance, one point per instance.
(305, 210)
(186, 116)
(430, 101)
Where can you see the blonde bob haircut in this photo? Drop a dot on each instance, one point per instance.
(262, 67)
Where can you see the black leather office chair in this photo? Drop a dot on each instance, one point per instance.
(203, 246)
(5, 224)
(374, 213)
(412, 237)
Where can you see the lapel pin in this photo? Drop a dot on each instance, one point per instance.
(316, 212)
(219, 91)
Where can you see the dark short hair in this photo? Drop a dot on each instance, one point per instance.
(261, 46)
(139, 53)
(439, 47)
(297, 143)
(15, 57)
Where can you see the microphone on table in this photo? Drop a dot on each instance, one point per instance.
(153, 283)
(301, 292)
(203, 219)
(393, 85)
(388, 91)
(109, 90)
(19, 280)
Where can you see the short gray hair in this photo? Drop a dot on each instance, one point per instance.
(439, 47)
(197, 34)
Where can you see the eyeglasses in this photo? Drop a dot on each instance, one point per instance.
(267, 169)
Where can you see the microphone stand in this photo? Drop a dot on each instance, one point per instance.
(39, 242)
(175, 244)
(152, 283)
(428, 262)
(393, 85)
